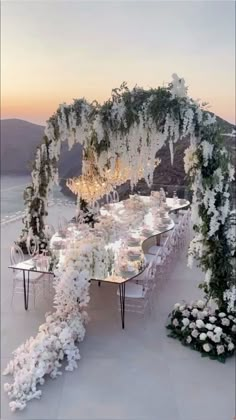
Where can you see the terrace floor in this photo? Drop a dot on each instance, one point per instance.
(134, 374)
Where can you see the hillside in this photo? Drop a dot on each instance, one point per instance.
(19, 140)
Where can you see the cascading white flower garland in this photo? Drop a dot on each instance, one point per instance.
(213, 245)
(57, 338)
(133, 125)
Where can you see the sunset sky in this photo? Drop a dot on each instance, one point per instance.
(54, 51)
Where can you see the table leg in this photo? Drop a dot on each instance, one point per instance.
(122, 303)
(26, 290)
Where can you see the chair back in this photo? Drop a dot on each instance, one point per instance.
(115, 196)
(49, 231)
(16, 255)
(109, 198)
(62, 224)
(32, 246)
(163, 251)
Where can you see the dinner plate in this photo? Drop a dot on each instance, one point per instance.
(147, 232)
(160, 227)
(133, 242)
(165, 219)
(127, 273)
(133, 257)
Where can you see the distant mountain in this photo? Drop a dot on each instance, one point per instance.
(19, 140)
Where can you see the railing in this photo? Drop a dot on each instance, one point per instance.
(182, 191)
(13, 217)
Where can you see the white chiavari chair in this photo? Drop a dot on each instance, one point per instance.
(32, 246)
(160, 261)
(138, 292)
(49, 231)
(17, 256)
(62, 224)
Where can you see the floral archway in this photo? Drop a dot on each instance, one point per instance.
(132, 125)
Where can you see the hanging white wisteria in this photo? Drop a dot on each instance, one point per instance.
(129, 129)
(132, 126)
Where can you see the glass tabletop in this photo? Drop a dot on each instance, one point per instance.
(32, 265)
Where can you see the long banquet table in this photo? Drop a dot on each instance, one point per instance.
(118, 211)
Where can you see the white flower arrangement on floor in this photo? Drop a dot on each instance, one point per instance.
(211, 332)
(58, 337)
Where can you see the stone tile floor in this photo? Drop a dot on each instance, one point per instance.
(135, 374)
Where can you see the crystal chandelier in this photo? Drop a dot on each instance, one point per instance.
(90, 186)
(118, 175)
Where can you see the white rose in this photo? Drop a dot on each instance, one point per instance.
(185, 322)
(231, 317)
(209, 326)
(220, 349)
(45, 355)
(234, 328)
(175, 322)
(212, 319)
(203, 336)
(206, 347)
(200, 323)
(189, 339)
(216, 338)
(225, 321)
(222, 314)
(192, 325)
(186, 313)
(194, 312)
(182, 308)
(195, 333)
(230, 346)
(200, 304)
(201, 315)
(176, 306)
(218, 330)
(205, 313)
(210, 335)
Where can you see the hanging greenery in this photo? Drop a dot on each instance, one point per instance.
(134, 125)
(211, 173)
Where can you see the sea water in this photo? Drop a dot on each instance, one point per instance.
(12, 188)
